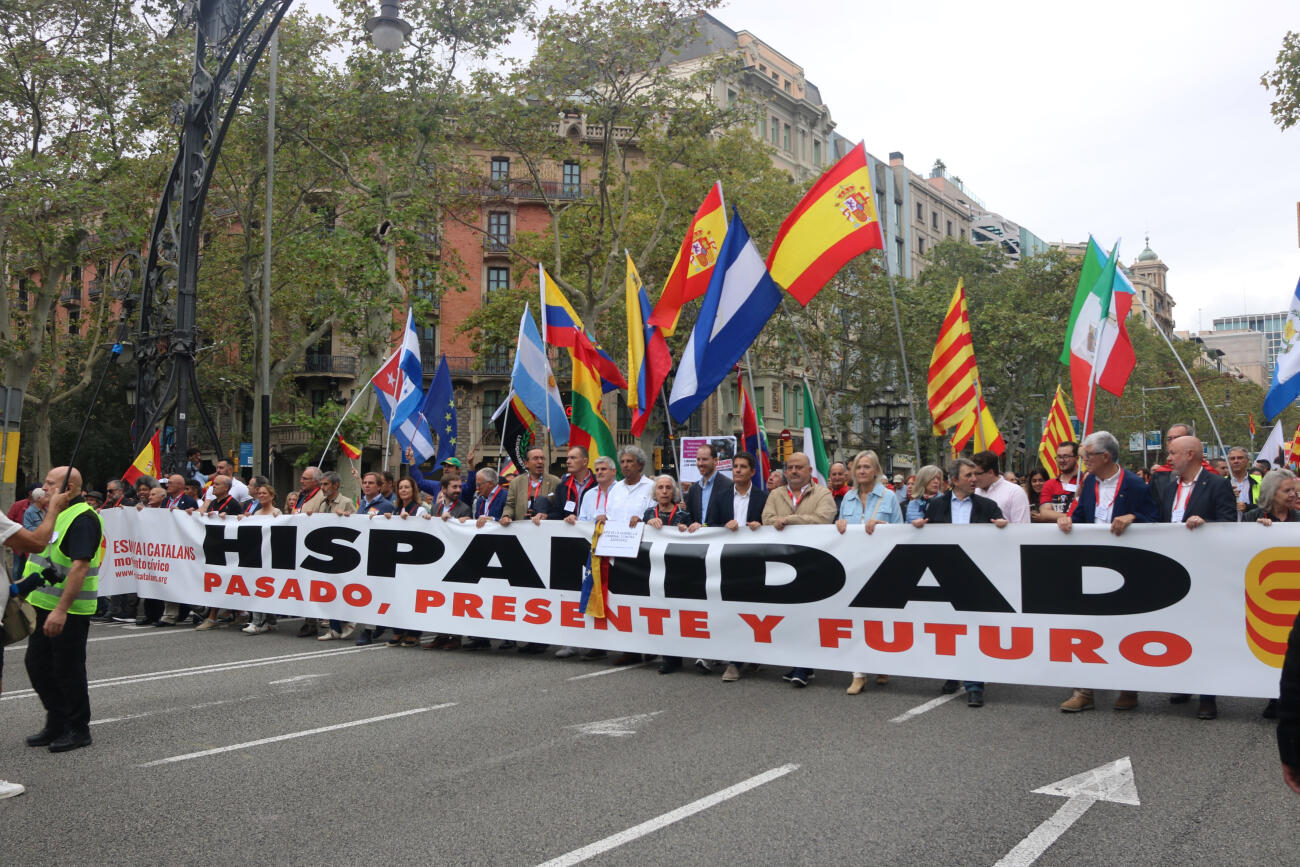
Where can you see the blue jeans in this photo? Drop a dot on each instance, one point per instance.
(973, 684)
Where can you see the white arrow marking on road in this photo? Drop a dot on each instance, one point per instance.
(1112, 782)
(619, 727)
(296, 678)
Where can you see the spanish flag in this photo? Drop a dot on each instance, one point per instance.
(693, 267)
(953, 387)
(147, 463)
(834, 222)
(348, 449)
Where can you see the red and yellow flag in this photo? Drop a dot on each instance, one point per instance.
(834, 222)
(348, 449)
(689, 277)
(1294, 458)
(1057, 430)
(953, 387)
(147, 463)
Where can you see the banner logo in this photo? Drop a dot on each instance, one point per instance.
(1272, 601)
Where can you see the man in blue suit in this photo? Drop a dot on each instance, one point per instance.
(1107, 495)
(706, 497)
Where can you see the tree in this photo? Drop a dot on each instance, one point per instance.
(1284, 81)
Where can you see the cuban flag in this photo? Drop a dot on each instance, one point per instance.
(398, 385)
(741, 297)
(1286, 367)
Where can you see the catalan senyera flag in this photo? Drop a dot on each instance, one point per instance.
(1252, 423)
(693, 267)
(562, 327)
(953, 387)
(1058, 430)
(648, 358)
(348, 449)
(148, 462)
(835, 221)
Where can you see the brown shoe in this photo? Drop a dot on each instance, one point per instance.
(731, 674)
(1126, 700)
(1077, 702)
(856, 686)
(627, 659)
(1207, 710)
(882, 679)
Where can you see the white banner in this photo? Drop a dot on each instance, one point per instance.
(724, 449)
(1161, 608)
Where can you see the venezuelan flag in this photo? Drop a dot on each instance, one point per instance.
(648, 358)
(595, 581)
(564, 328)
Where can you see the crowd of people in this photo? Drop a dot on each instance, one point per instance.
(1090, 486)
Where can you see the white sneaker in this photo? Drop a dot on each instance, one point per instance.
(256, 629)
(328, 636)
(348, 630)
(8, 789)
(566, 652)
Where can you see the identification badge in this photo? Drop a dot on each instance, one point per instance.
(570, 506)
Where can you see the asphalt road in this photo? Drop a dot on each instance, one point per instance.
(219, 747)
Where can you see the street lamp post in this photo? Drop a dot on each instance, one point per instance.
(1144, 415)
(230, 37)
(887, 412)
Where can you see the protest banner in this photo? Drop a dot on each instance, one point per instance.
(1161, 608)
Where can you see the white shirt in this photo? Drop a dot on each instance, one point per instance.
(1242, 488)
(740, 504)
(1011, 499)
(1107, 490)
(627, 500)
(238, 490)
(594, 502)
(1182, 494)
(7, 529)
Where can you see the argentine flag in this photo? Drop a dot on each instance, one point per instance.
(1286, 368)
(534, 382)
(741, 297)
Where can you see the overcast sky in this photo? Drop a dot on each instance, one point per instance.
(1117, 119)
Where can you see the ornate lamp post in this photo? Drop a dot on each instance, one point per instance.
(887, 412)
(230, 37)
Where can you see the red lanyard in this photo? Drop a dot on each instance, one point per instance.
(794, 501)
(598, 493)
(659, 514)
(1096, 490)
(221, 507)
(534, 489)
(1185, 499)
(172, 502)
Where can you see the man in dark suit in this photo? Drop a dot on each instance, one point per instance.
(741, 507)
(1107, 495)
(1193, 496)
(705, 498)
(962, 505)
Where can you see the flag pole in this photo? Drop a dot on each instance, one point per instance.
(811, 366)
(1186, 372)
(1092, 377)
(902, 354)
(360, 393)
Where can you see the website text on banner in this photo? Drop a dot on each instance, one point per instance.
(1161, 608)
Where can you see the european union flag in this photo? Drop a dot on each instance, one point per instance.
(440, 411)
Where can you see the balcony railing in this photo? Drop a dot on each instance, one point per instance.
(335, 365)
(497, 243)
(476, 365)
(527, 188)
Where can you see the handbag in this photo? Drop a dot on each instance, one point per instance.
(19, 620)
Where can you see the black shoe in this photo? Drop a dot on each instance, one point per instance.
(506, 645)
(143, 621)
(1270, 709)
(703, 667)
(70, 741)
(43, 738)
(477, 644)
(1207, 710)
(163, 623)
(366, 637)
(668, 667)
(949, 687)
(533, 647)
(102, 618)
(1180, 698)
(788, 676)
(974, 697)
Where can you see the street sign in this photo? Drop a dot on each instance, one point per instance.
(245, 454)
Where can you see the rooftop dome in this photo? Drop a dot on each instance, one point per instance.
(1148, 255)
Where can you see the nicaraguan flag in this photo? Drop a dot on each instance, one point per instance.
(741, 297)
(534, 382)
(1286, 368)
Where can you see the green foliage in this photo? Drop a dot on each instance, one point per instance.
(320, 426)
(1284, 82)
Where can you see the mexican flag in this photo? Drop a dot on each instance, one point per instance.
(813, 444)
(1096, 342)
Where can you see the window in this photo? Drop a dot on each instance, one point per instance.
(74, 322)
(898, 245)
(762, 127)
(776, 130)
(731, 98)
(776, 399)
(962, 233)
(898, 215)
(785, 141)
(758, 395)
(920, 212)
(500, 169)
(23, 298)
(817, 152)
(498, 233)
(950, 228)
(920, 244)
(326, 217)
(787, 87)
(934, 219)
(498, 279)
(571, 186)
(492, 398)
(803, 144)
(319, 397)
(624, 414)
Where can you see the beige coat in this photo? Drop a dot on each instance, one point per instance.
(517, 498)
(816, 507)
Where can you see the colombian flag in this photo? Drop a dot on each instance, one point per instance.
(562, 327)
(834, 222)
(693, 267)
(648, 359)
(147, 463)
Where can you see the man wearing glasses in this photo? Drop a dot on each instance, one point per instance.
(1058, 493)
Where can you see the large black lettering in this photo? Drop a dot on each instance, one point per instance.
(387, 548)
(1051, 580)
(284, 547)
(817, 574)
(684, 572)
(513, 564)
(336, 557)
(961, 583)
(631, 577)
(247, 544)
(568, 562)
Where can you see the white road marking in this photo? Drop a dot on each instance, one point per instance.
(928, 706)
(277, 738)
(613, 841)
(607, 671)
(620, 727)
(1112, 782)
(214, 668)
(296, 678)
(167, 710)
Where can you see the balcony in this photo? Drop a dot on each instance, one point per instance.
(475, 365)
(494, 243)
(329, 365)
(527, 188)
(70, 297)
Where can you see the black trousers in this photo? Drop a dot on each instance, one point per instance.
(57, 669)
